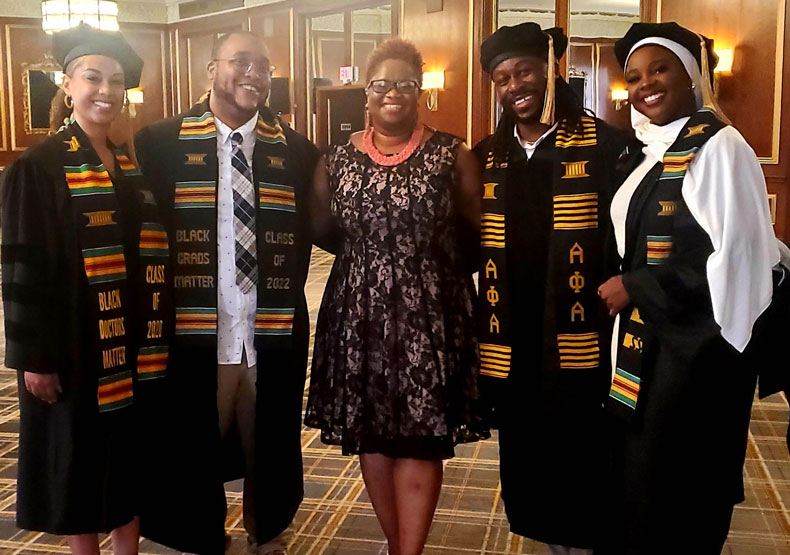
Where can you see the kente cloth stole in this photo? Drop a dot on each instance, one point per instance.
(195, 228)
(155, 302)
(570, 339)
(95, 205)
(636, 337)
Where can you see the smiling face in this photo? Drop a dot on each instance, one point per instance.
(521, 86)
(658, 85)
(240, 77)
(394, 109)
(96, 88)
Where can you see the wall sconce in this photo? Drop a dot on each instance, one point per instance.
(725, 61)
(432, 81)
(135, 97)
(619, 97)
(724, 67)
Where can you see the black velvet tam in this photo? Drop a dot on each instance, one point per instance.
(670, 30)
(84, 40)
(524, 39)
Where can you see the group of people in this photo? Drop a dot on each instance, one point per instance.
(619, 282)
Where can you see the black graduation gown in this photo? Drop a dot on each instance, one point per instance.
(677, 468)
(551, 422)
(186, 508)
(77, 467)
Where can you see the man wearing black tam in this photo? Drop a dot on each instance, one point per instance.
(549, 176)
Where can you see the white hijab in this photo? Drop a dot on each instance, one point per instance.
(727, 196)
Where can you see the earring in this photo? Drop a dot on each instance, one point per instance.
(693, 86)
(68, 102)
(125, 99)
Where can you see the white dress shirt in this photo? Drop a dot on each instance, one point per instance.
(531, 147)
(235, 310)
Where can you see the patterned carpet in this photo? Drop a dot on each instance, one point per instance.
(336, 517)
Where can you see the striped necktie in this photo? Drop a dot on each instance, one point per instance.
(243, 217)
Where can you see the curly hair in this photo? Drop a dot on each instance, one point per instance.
(395, 49)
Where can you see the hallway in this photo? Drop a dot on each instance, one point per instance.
(337, 519)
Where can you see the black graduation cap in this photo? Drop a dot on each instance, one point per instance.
(690, 40)
(524, 39)
(84, 40)
(700, 46)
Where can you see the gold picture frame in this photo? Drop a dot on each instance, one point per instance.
(32, 121)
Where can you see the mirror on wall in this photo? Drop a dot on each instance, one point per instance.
(592, 68)
(513, 12)
(369, 28)
(40, 82)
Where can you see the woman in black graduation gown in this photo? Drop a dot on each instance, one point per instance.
(692, 226)
(78, 237)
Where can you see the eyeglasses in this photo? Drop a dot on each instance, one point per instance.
(382, 86)
(243, 65)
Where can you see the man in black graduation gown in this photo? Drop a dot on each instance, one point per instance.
(549, 177)
(232, 182)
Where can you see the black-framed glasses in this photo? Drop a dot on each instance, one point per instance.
(245, 65)
(383, 86)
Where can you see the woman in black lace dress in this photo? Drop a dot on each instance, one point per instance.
(394, 375)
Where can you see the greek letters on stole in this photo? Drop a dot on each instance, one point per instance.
(575, 258)
(636, 337)
(95, 205)
(195, 222)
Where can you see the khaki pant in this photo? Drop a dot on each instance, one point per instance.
(236, 393)
(236, 406)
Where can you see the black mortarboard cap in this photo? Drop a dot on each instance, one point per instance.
(84, 40)
(690, 40)
(524, 39)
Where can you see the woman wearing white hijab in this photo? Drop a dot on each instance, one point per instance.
(693, 230)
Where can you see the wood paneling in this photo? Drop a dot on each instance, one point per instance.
(483, 23)
(777, 174)
(25, 42)
(151, 44)
(750, 28)
(748, 96)
(442, 38)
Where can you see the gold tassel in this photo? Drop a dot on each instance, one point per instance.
(547, 117)
(708, 98)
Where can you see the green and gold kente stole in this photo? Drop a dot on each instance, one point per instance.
(95, 207)
(194, 238)
(575, 262)
(665, 197)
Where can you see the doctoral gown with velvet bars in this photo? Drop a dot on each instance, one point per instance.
(551, 421)
(677, 467)
(77, 467)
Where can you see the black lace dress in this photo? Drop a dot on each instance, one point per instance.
(395, 360)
